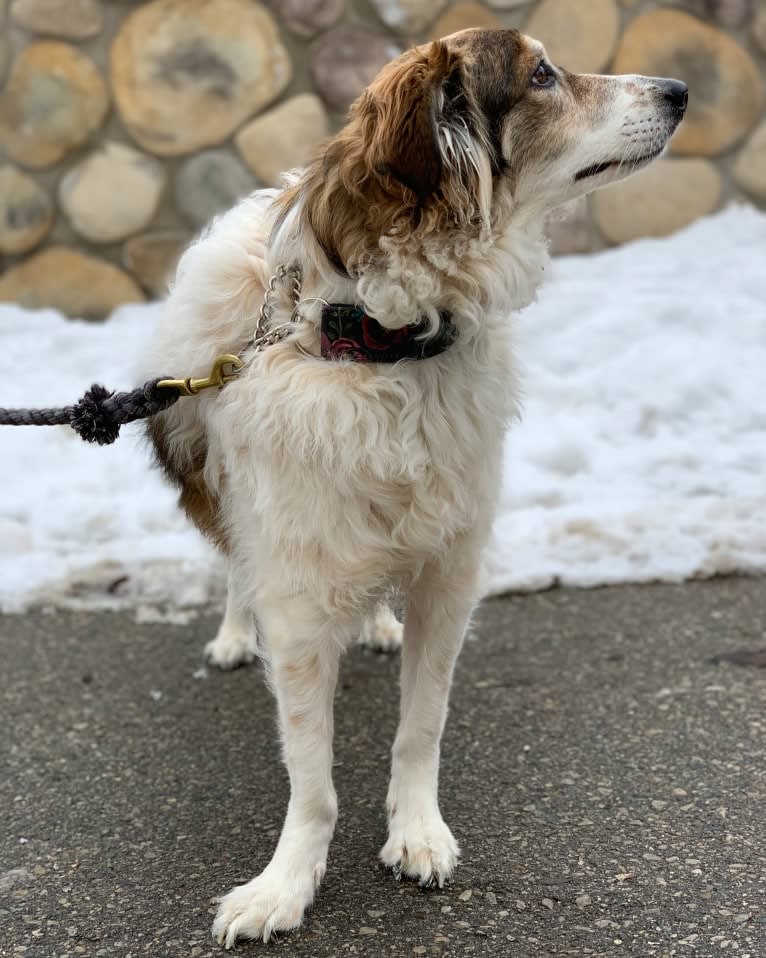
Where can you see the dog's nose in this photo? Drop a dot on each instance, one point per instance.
(677, 94)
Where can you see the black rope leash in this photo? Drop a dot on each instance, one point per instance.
(97, 417)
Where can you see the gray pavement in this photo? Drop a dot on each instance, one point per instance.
(606, 779)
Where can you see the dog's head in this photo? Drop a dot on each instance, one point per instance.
(490, 102)
(471, 130)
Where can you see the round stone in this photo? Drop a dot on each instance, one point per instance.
(759, 28)
(209, 183)
(79, 286)
(26, 213)
(726, 91)
(185, 75)
(346, 60)
(284, 137)
(665, 197)
(4, 51)
(506, 4)
(74, 19)
(4, 41)
(112, 193)
(53, 100)
(578, 36)
(729, 13)
(152, 258)
(750, 168)
(307, 17)
(408, 16)
(461, 17)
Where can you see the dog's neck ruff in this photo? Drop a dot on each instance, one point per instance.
(346, 330)
(349, 333)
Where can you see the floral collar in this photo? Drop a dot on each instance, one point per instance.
(349, 333)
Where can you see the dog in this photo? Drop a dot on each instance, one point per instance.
(336, 467)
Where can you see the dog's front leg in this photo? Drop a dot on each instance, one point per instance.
(303, 665)
(420, 845)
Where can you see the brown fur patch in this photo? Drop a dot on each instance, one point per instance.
(382, 174)
(196, 499)
(405, 143)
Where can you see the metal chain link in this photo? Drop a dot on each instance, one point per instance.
(263, 336)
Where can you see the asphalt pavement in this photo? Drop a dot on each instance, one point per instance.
(604, 770)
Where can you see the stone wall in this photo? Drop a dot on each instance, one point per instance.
(124, 126)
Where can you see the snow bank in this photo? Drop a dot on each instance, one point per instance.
(641, 454)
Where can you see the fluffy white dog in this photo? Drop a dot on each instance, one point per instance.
(358, 451)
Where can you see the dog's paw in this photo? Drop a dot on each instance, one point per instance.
(269, 903)
(232, 647)
(422, 848)
(382, 631)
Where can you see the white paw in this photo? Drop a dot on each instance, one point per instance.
(233, 646)
(274, 901)
(382, 631)
(420, 847)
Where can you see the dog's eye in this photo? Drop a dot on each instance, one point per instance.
(543, 75)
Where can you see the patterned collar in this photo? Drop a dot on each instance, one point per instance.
(349, 333)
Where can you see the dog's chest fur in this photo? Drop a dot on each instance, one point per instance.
(361, 475)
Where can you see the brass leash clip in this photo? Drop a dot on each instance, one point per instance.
(217, 378)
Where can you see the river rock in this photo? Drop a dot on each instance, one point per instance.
(461, 17)
(665, 197)
(759, 28)
(726, 91)
(307, 17)
(347, 59)
(728, 13)
(4, 42)
(80, 286)
(578, 36)
(112, 193)
(5, 49)
(152, 258)
(186, 75)
(284, 137)
(54, 99)
(750, 168)
(209, 183)
(408, 16)
(73, 19)
(26, 213)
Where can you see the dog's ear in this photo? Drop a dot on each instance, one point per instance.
(409, 106)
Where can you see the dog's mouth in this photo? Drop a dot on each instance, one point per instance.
(598, 168)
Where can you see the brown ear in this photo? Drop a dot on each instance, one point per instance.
(408, 105)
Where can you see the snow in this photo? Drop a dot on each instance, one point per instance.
(641, 453)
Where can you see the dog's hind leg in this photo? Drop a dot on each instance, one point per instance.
(303, 652)
(381, 631)
(236, 641)
(420, 845)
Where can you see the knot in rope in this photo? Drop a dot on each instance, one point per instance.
(97, 417)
